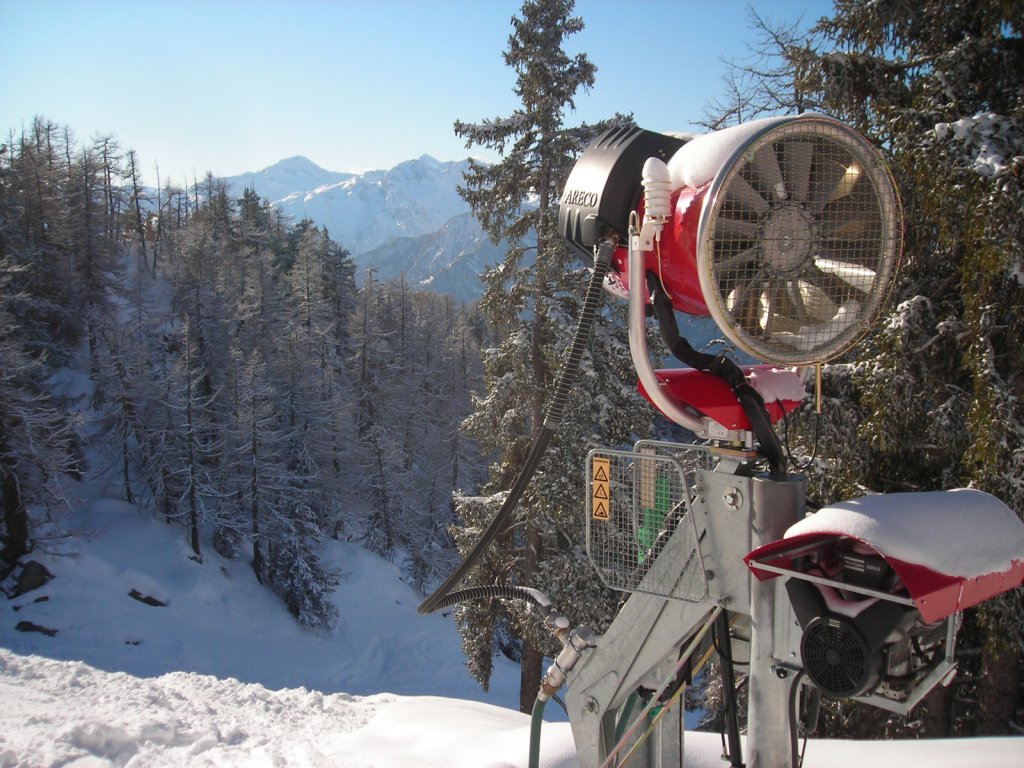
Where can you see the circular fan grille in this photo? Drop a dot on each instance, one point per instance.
(799, 241)
(836, 658)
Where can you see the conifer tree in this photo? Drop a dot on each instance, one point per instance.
(529, 301)
(934, 401)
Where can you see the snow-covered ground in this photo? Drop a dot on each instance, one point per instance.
(220, 675)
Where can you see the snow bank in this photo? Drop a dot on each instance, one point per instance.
(56, 713)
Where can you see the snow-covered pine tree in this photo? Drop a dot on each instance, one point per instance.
(93, 247)
(530, 301)
(34, 222)
(408, 351)
(935, 400)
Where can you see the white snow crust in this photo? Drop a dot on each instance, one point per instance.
(696, 162)
(962, 533)
(777, 384)
(66, 713)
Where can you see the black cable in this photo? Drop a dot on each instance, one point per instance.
(794, 718)
(563, 385)
(725, 668)
(725, 369)
(724, 654)
(800, 466)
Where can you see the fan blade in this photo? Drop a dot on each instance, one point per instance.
(855, 275)
(766, 162)
(735, 228)
(811, 337)
(726, 263)
(846, 184)
(849, 252)
(836, 288)
(828, 180)
(814, 304)
(853, 229)
(777, 314)
(747, 198)
(744, 302)
(849, 219)
(797, 160)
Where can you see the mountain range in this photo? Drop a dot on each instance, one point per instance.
(408, 220)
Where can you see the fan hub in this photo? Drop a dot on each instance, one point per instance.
(788, 236)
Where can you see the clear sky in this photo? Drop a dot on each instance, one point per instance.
(234, 86)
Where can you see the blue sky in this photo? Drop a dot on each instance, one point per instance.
(233, 86)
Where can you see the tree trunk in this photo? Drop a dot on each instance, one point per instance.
(938, 713)
(15, 543)
(533, 659)
(997, 698)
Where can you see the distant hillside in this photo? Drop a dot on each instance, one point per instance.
(409, 219)
(449, 260)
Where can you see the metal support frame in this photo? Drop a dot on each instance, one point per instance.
(732, 514)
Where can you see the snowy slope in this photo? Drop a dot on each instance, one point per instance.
(222, 676)
(449, 260)
(217, 620)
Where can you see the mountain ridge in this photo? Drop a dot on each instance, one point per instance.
(407, 220)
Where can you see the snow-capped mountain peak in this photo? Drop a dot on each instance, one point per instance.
(285, 177)
(400, 221)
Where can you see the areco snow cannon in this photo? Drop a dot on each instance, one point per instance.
(787, 233)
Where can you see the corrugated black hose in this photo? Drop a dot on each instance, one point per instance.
(727, 370)
(489, 592)
(562, 388)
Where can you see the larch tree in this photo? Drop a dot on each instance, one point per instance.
(38, 441)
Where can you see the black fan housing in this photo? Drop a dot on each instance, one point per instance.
(837, 658)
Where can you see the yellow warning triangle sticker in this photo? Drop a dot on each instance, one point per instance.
(600, 511)
(600, 491)
(600, 472)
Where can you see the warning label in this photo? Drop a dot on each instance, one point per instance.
(600, 496)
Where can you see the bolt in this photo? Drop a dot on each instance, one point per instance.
(591, 705)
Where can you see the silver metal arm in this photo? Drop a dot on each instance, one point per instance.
(638, 347)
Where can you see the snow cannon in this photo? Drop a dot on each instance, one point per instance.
(878, 583)
(785, 231)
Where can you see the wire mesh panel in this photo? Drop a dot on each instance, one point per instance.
(641, 535)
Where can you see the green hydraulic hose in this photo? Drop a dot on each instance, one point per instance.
(623, 719)
(536, 720)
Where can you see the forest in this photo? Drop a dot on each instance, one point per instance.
(238, 383)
